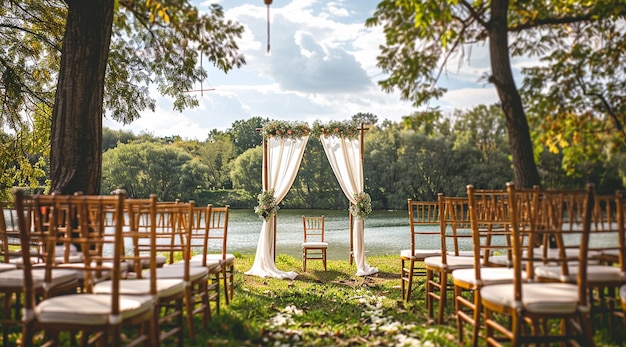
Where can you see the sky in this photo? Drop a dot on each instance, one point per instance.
(321, 66)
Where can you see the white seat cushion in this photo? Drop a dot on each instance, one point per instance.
(489, 275)
(595, 273)
(15, 278)
(211, 264)
(314, 244)
(90, 309)
(227, 260)
(536, 297)
(462, 254)
(164, 287)
(453, 262)
(7, 267)
(145, 263)
(177, 272)
(419, 253)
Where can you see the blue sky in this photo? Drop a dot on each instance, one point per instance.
(322, 66)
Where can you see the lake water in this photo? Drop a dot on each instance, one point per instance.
(386, 232)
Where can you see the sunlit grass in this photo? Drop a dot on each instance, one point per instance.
(326, 308)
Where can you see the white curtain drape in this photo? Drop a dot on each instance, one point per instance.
(344, 156)
(283, 161)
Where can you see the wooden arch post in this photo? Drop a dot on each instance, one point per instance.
(266, 186)
(361, 144)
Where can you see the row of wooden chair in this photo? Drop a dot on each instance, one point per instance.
(538, 256)
(132, 267)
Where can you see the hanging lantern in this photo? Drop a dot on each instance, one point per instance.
(268, 3)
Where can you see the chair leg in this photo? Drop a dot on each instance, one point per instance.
(231, 281)
(443, 287)
(225, 281)
(429, 291)
(304, 255)
(458, 307)
(477, 317)
(410, 280)
(324, 258)
(189, 308)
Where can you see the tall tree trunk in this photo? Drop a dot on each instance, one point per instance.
(76, 138)
(524, 167)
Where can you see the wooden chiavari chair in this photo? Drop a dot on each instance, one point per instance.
(454, 226)
(423, 225)
(79, 220)
(544, 312)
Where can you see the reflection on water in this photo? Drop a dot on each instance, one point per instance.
(386, 232)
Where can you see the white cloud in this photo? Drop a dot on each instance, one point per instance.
(322, 66)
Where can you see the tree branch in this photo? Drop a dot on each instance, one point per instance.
(39, 36)
(607, 106)
(550, 21)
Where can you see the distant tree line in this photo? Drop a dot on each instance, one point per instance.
(417, 158)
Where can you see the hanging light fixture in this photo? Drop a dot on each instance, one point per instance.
(268, 3)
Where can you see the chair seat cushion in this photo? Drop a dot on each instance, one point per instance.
(542, 297)
(419, 253)
(177, 272)
(453, 262)
(622, 295)
(228, 259)
(313, 244)
(489, 275)
(7, 267)
(164, 287)
(595, 273)
(90, 309)
(15, 278)
(211, 264)
(145, 263)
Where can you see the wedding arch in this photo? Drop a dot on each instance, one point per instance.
(283, 148)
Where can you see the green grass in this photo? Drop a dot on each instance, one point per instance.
(330, 308)
(327, 308)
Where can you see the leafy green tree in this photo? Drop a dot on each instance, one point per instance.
(422, 37)
(246, 170)
(23, 156)
(576, 97)
(111, 51)
(315, 185)
(144, 168)
(111, 138)
(381, 151)
(216, 154)
(245, 133)
(365, 118)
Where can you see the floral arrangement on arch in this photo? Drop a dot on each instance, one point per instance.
(348, 129)
(267, 204)
(292, 130)
(363, 206)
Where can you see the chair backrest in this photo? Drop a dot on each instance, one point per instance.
(423, 222)
(490, 219)
(140, 230)
(606, 239)
(10, 235)
(313, 228)
(454, 223)
(621, 225)
(218, 230)
(565, 215)
(173, 232)
(72, 219)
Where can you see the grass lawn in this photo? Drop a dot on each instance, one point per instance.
(326, 308)
(329, 308)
